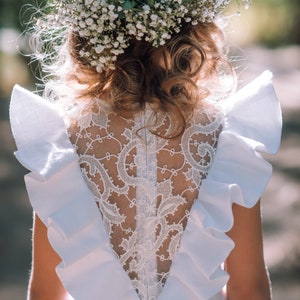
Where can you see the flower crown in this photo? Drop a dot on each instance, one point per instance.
(109, 25)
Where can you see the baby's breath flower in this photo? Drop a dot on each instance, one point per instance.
(108, 25)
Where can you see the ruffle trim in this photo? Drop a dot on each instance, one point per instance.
(61, 198)
(63, 201)
(239, 174)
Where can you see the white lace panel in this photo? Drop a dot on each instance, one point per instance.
(144, 185)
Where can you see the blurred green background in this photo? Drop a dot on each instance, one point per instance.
(267, 35)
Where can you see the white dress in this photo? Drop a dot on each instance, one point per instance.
(135, 216)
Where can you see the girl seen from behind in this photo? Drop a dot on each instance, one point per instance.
(145, 173)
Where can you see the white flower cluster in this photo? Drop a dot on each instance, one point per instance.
(108, 25)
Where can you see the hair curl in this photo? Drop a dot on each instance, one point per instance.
(173, 78)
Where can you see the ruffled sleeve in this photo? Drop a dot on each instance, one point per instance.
(61, 198)
(252, 124)
(239, 174)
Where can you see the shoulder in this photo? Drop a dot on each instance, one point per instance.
(85, 120)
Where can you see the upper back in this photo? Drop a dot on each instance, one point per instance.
(144, 185)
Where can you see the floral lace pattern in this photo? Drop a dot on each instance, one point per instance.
(144, 185)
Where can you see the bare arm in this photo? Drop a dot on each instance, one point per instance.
(44, 283)
(245, 264)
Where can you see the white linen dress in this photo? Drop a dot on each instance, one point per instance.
(135, 216)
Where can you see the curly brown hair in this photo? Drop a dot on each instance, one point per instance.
(172, 78)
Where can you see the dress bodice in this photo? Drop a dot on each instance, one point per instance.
(130, 213)
(144, 185)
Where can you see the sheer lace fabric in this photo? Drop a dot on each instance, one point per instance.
(144, 185)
